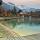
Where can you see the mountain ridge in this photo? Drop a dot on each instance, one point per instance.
(10, 6)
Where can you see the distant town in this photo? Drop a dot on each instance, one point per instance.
(4, 12)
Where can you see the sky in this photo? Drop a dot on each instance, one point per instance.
(29, 3)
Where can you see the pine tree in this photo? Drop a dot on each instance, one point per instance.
(14, 10)
(0, 2)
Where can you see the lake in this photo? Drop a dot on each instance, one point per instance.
(25, 26)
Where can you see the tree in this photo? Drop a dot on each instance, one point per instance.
(0, 2)
(14, 11)
(19, 11)
(31, 13)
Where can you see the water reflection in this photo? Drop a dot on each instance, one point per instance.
(24, 26)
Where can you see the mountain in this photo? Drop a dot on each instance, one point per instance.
(7, 6)
(23, 8)
(10, 6)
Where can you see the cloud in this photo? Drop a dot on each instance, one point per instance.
(24, 2)
(36, 1)
(28, 3)
(17, 1)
